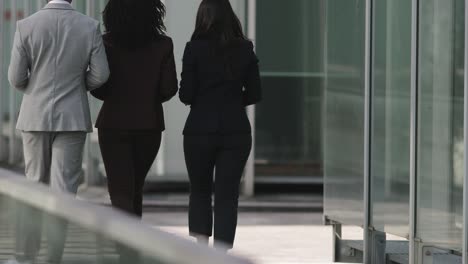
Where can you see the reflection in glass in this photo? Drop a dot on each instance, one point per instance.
(440, 125)
(344, 111)
(390, 142)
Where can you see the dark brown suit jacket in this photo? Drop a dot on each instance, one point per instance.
(140, 81)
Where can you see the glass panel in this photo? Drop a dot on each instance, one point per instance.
(293, 77)
(440, 144)
(344, 111)
(391, 99)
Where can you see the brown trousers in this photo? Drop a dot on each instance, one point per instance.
(128, 156)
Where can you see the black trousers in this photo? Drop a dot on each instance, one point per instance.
(228, 154)
(128, 156)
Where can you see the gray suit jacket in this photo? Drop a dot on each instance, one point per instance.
(58, 56)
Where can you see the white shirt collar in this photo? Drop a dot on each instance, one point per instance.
(59, 2)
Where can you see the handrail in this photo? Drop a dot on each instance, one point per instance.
(111, 223)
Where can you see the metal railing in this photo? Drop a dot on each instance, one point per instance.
(110, 224)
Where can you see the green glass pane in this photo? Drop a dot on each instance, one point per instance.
(343, 134)
(391, 98)
(440, 146)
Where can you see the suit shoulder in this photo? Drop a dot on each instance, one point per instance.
(247, 43)
(163, 44)
(166, 42)
(165, 39)
(87, 19)
(32, 19)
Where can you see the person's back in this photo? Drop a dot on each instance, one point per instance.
(218, 101)
(57, 43)
(57, 56)
(143, 76)
(220, 77)
(141, 80)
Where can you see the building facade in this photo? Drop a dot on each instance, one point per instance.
(292, 73)
(370, 94)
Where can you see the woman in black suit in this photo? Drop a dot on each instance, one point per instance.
(220, 78)
(143, 76)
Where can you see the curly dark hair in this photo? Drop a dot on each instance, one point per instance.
(134, 23)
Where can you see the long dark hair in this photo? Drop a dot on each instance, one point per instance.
(216, 20)
(134, 23)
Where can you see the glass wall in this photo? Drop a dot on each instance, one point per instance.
(436, 103)
(290, 50)
(343, 124)
(440, 144)
(390, 125)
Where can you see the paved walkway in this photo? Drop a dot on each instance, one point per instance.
(269, 238)
(261, 202)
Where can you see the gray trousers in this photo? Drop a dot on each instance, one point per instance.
(55, 159)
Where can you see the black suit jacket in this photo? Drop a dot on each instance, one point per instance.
(218, 86)
(140, 81)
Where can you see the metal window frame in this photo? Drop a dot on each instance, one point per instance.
(413, 241)
(367, 227)
(465, 138)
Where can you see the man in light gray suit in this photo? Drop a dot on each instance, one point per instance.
(57, 57)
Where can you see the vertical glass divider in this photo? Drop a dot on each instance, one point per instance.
(2, 92)
(249, 175)
(413, 132)
(465, 131)
(12, 99)
(324, 102)
(367, 132)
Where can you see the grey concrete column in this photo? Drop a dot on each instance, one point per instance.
(249, 177)
(465, 137)
(2, 80)
(12, 155)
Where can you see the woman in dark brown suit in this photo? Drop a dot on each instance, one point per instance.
(143, 77)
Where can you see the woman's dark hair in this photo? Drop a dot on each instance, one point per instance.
(134, 23)
(216, 20)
